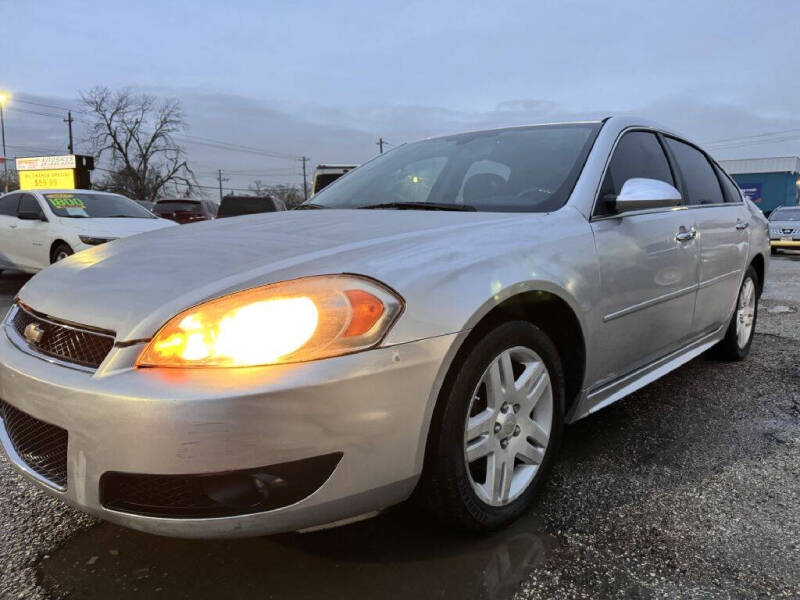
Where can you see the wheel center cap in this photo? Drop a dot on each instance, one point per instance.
(507, 422)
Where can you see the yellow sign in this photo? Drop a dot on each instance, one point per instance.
(54, 179)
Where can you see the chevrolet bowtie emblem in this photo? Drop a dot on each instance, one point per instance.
(33, 333)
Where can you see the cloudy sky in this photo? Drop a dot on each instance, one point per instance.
(327, 79)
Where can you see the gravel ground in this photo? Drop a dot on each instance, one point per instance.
(688, 488)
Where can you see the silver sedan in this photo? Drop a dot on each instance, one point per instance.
(427, 324)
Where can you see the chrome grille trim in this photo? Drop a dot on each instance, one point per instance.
(20, 342)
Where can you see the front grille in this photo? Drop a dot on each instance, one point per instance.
(216, 494)
(41, 446)
(73, 344)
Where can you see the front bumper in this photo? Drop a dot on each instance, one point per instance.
(372, 407)
(784, 243)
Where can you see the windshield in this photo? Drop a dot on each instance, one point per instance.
(178, 206)
(785, 214)
(524, 169)
(99, 206)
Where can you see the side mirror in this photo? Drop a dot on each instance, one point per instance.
(27, 215)
(640, 193)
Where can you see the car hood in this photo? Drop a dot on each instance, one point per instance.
(116, 227)
(133, 285)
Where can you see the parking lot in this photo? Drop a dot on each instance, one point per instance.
(688, 488)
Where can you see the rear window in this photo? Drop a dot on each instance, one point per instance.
(178, 206)
(232, 207)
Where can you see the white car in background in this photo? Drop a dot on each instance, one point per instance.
(40, 227)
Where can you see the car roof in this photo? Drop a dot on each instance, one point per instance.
(614, 121)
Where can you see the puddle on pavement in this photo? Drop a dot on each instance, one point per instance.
(401, 554)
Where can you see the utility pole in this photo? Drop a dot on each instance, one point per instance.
(380, 144)
(69, 121)
(305, 159)
(5, 158)
(220, 179)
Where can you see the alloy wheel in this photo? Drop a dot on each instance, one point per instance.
(508, 424)
(745, 312)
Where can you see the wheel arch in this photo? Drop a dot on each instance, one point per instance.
(53, 246)
(545, 306)
(759, 264)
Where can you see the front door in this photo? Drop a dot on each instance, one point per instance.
(30, 237)
(648, 267)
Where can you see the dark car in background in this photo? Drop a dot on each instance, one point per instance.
(184, 210)
(324, 175)
(234, 206)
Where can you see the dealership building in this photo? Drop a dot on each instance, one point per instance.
(769, 182)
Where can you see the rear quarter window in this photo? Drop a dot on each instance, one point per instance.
(730, 190)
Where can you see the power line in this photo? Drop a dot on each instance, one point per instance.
(191, 139)
(77, 110)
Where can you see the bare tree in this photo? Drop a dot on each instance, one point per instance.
(258, 188)
(135, 131)
(13, 180)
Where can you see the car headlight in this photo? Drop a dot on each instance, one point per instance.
(293, 321)
(94, 241)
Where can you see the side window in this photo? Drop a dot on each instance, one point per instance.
(8, 205)
(702, 185)
(638, 154)
(730, 190)
(30, 204)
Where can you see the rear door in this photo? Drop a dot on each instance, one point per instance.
(8, 224)
(648, 277)
(722, 236)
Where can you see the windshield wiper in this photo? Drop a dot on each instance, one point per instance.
(308, 206)
(123, 217)
(423, 206)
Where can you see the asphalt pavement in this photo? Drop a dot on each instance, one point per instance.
(688, 488)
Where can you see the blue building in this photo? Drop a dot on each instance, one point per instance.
(769, 182)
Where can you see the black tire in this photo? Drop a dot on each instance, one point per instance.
(445, 486)
(60, 251)
(773, 251)
(729, 348)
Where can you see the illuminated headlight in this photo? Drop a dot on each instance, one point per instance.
(94, 241)
(293, 321)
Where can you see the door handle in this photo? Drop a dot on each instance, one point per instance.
(13, 226)
(685, 236)
(741, 225)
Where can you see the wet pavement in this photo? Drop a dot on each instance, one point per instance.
(688, 488)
